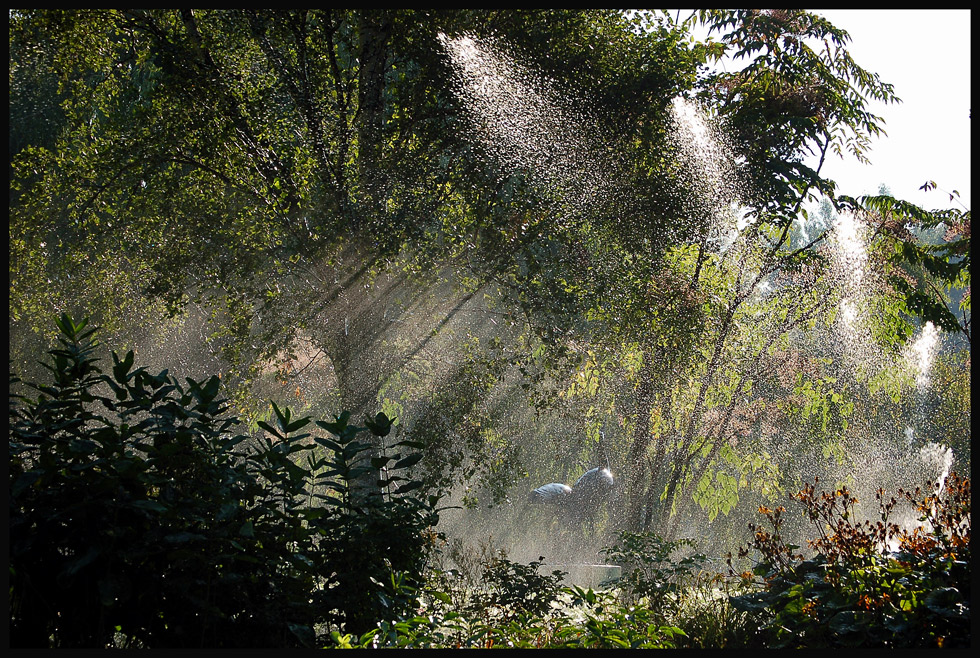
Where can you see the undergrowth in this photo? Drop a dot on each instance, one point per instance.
(140, 516)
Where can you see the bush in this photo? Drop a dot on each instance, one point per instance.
(503, 604)
(515, 589)
(856, 590)
(649, 572)
(488, 591)
(138, 516)
(587, 620)
(678, 590)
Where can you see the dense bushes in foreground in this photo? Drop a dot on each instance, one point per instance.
(869, 584)
(139, 517)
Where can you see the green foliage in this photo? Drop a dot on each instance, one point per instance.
(500, 603)
(138, 515)
(274, 164)
(931, 279)
(649, 571)
(678, 592)
(587, 620)
(609, 625)
(520, 588)
(491, 592)
(869, 584)
(800, 92)
(473, 608)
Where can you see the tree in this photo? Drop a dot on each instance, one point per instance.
(693, 351)
(704, 368)
(318, 173)
(926, 276)
(282, 166)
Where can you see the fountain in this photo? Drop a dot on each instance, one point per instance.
(527, 127)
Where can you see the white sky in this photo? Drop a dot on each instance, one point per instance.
(925, 54)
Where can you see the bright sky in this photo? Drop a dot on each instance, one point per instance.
(925, 54)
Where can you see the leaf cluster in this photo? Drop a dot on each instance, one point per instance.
(800, 91)
(650, 572)
(869, 584)
(589, 620)
(139, 516)
(927, 277)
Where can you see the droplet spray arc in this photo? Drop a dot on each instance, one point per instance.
(526, 126)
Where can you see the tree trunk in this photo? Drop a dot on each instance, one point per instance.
(629, 509)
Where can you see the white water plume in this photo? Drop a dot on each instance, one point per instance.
(921, 352)
(526, 126)
(709, 169)
(851, 257)
(909, 433)
(937, 460)
(931, 463)
(704, 150)
(850, 271)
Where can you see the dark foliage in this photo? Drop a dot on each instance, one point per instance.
(870, 584)
(138, 516)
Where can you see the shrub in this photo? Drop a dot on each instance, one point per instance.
(649, 572)
(672, 581)
(514, 589)
(503, 604)
(856, 591)
(487, 591)
(587, 619)
(138, 515)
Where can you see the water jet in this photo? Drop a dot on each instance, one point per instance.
(529, 127)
